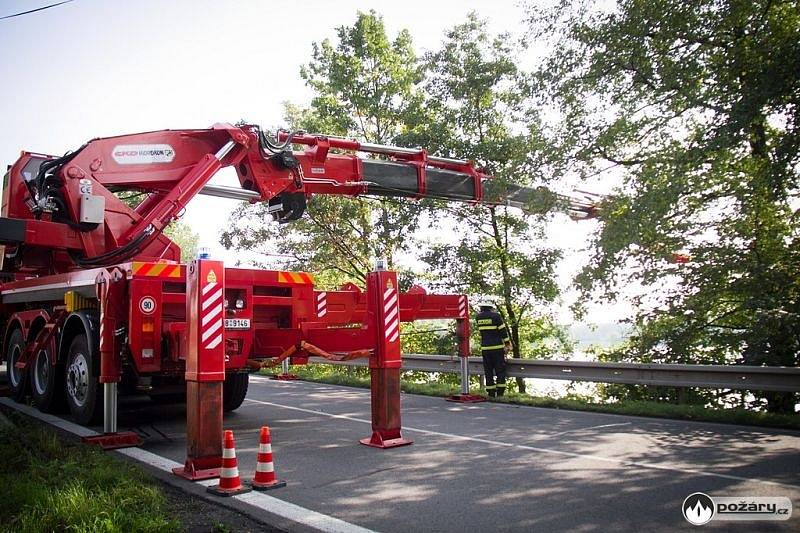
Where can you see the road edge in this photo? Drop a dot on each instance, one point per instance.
(257, 506)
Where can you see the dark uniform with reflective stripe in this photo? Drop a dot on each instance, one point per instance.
(494, 336)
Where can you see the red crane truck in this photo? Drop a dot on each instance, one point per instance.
(92, 292)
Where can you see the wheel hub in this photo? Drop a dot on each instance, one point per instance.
(14, 373)
(41, 372)
(78, 379)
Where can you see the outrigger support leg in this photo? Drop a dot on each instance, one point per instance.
(205, 369)
(110, 295)
(383, 308)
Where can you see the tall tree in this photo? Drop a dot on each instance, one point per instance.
(475, 111)
(184, 236)
(365, 87)
(697, 105)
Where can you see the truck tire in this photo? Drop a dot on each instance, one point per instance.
(47, 382)
(17, 379)
(234, 390)
(82, 386)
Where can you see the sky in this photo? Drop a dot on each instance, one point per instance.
(95, 68)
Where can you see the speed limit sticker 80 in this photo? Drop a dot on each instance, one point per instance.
(147, 305)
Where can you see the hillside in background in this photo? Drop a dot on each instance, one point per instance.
(603, 335)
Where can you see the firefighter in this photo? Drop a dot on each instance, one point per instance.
(495, 344)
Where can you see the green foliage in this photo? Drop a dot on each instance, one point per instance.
(331, 240)
(183, 235)
(475, 111)
(47, 485)
(697, 106)
(365, 87)
(366, 82)
(429, 337)
(179, 232)
(465, 100)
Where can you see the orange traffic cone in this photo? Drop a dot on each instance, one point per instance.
(229, 482)
(265, 471)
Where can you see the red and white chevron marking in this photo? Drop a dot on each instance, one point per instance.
(102, 290)
(211, 309)
(391, 310)
(322, 304)
(102, 334)
(462, 307)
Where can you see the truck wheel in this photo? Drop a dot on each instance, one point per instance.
(17, 379)
(234, 390)
(83, 389)
(47, 382)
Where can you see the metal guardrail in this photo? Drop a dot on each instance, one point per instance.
(766, 378)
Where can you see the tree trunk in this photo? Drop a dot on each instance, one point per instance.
(681, 396)
(512, 321)
(781, 402)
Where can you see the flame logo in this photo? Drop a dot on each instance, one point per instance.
(698, 509)
(699, 514)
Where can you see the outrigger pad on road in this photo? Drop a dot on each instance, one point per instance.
(196, 475)
(199, 468)
(377, 441)
(466, 398)
(285, 377)
(113, 441)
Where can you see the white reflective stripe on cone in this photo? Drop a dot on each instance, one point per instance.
(230, 472)
(265, 448)
(228, 453)
(264, 467)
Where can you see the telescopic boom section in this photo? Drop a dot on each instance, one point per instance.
(65, 213)
(412, 173)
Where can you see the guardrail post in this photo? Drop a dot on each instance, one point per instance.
(383, 318)
(462, 334)
(205, 369)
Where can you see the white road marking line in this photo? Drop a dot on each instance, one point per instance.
(610, 460)
(270, 504)
(299, 514)
(584, 429)
(162, 463)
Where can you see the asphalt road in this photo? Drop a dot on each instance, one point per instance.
(486, 467)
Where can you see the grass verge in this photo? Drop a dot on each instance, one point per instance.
(47, 484)
(338, 376)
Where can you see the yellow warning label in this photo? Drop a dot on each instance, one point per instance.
(389, 284)
(211, 278)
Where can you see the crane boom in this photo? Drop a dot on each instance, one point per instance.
(412, 173)
(61, 213)
(90, 282)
